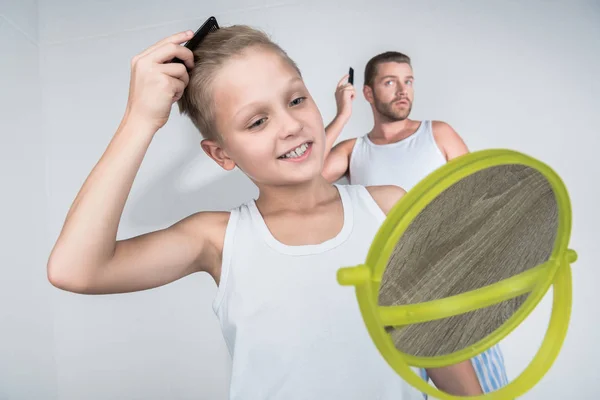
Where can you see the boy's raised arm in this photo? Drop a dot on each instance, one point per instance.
(87, 258)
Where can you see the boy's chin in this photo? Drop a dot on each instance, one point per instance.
(302, 179)
(290, 180)
(286, 175)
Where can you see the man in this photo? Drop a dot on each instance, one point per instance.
(398, 151)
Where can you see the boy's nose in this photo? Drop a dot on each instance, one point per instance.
(290, 125)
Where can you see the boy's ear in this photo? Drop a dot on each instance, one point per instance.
(368, 93)
(214, 150)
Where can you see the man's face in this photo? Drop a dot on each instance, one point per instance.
(392, 91)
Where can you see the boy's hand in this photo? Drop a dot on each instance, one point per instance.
(156, 83)
(344, 95)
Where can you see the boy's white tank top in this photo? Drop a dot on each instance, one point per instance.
(404, 163)
(293, 332)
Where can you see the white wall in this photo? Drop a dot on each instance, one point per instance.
(27, 368)
(504, 74)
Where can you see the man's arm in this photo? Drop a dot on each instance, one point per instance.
(338, 160)
(459, 379)
(333, 131)
(344, 95)
(449, 142)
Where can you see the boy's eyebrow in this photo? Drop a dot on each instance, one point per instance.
(251, 104)
(246, 106)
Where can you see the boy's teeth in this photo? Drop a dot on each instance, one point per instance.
(297, 152)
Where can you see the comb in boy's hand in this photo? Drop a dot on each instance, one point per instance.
(210, 25)
(156, 83)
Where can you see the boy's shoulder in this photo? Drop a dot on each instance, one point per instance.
(213, 224)
(217, 219)
(209, 218)
(210, 225)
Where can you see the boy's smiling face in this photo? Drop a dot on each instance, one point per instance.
(270, 126)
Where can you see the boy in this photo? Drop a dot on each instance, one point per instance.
(292, 331)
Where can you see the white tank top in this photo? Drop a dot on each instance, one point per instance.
(403, 163)
(293, 332)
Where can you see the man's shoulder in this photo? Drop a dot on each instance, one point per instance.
(441, 127)
(348, 142)
(386, 196)
(346, 146)
(449, 141)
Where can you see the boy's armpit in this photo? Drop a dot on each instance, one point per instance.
(208, 228)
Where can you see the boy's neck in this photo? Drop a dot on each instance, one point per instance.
(305, 196)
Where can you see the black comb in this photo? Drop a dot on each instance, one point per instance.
(351, 76)
(210, 25)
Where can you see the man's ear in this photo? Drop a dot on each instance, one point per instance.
(215, 151)
(368, 93)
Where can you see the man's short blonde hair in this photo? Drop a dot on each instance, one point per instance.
(217, 48)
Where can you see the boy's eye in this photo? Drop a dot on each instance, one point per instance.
(262, 121)
(297, 101)
(257, 123)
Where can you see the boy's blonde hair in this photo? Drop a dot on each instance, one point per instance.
(217, 48)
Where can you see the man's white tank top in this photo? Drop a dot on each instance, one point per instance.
(293, 332)
(403, 163)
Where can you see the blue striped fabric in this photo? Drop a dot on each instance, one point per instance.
(490, 370)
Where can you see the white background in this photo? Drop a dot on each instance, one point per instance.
(502, 73)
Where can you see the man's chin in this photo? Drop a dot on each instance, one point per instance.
(396, 118)
(402, 115)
